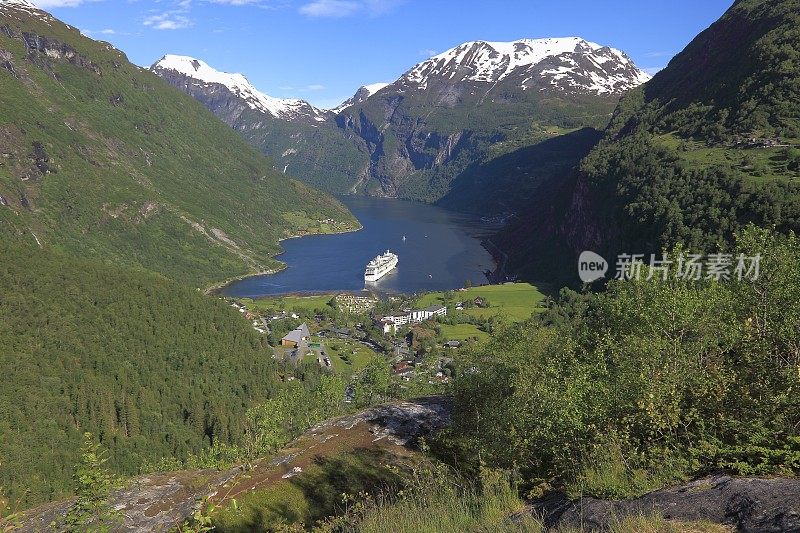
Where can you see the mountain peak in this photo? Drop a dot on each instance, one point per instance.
(362, 94)
(22, 5)
(556, 59)
(200, 72)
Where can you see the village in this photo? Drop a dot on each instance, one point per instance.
(418, 338)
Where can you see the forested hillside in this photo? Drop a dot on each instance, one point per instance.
(116, 193)
(101, 158)
(711, 143)
(151, 368)
(617, 393)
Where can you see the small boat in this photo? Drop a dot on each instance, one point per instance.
(404, 238)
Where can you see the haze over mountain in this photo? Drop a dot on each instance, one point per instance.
(413, 137)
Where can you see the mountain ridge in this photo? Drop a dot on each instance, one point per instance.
(488, 61)
(101, 158)
(413, 137)
(240, 86)
(361, 95)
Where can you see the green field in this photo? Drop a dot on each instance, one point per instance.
(462, 332)
(288, 303)
(343, 359)
(759, 164)
(513, 301)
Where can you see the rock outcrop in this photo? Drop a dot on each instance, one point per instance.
(162, 501)
(751, 505)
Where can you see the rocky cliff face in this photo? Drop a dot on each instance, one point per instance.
(412, 138)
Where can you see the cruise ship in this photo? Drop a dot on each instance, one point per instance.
(380, 266)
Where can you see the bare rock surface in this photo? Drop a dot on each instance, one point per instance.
(160, 502)
(752, 505)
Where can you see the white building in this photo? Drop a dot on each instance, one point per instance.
(390, 323)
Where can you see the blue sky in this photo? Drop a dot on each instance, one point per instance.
(323, 50)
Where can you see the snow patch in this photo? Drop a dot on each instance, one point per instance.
(491, 62)
(284, 108)
(372, 88)
(26, 6)
(362, 95)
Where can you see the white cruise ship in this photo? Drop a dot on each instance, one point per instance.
(380, 266)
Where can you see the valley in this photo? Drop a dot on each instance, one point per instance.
(189, 341)
(442, 250)
(417, 137)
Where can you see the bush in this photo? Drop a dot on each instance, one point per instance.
(603, 390)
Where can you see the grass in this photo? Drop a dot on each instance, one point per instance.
(442, 508)
(299, 304)
(462, 332)
(343, 359)
(759, 164)
(440, 505)
(285, 503)
(436, 510)
(512, 301)
(608, 476)
(313, 495)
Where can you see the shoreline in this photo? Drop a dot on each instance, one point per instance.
(215, 288)
(496, 275)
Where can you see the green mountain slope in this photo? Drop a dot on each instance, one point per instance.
(101, 158)
(152, 368)
(710, 144)
(424, 135)
(422, 147)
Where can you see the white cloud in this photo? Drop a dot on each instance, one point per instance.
(178, 17)
(346, 8)
(235, 2)
(170, 20)
(48, 4)
(330, 8)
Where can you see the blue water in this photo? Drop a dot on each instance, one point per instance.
(441, 251)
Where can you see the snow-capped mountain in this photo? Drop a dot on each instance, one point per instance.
(195, 76)
(567, 64)
(25, 6)
(362, 94)
(411, 138)
(19, 4)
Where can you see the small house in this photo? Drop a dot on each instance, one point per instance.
(296, 336)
